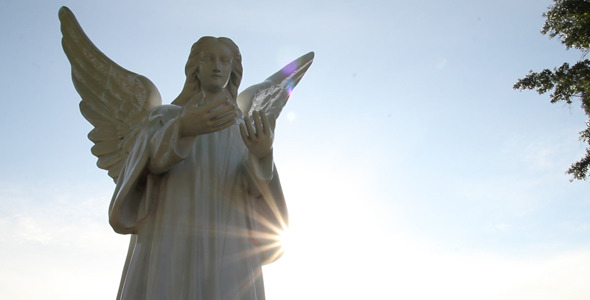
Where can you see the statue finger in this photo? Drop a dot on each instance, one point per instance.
(222, 111)
(224, 125)
(265, 124)
(257, 122)
(228, 123)
(224, 118)
(251, 132)
(245, 137)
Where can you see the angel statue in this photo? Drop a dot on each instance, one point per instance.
(196, 185)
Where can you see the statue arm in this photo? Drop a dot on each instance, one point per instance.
(173, 142)
(128, 206)
(167, 144)
(157, 148)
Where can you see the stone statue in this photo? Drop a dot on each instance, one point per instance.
(196, 185)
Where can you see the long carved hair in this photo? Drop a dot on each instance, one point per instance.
(192, 65)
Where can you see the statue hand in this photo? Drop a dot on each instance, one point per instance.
(202, 119)
(258, 139)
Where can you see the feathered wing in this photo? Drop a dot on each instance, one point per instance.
(114, 100)
(272, 94)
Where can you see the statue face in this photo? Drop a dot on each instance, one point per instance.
(215, 65)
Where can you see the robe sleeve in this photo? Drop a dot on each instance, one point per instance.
(167, 146)
(268, 215)
(158, 147)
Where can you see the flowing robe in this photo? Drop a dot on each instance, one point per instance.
(203, 213)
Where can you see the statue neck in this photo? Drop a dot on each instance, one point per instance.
(214, 96)
(187, 94)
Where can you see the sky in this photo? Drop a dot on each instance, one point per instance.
(411, 168)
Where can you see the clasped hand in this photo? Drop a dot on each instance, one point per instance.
(220, 114)
(259, 138)
(202, 119)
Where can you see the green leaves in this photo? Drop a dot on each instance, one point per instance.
(569, 20)
(565, 81)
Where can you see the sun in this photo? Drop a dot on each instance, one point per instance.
(283, 239)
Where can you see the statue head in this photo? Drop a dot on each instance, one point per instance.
(207, 51)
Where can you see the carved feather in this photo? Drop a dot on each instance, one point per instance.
(114, 100)
(272, 94)
(103, 133)
(102, 148)
(107, 161)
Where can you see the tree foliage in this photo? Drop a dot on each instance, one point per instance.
(569, 20)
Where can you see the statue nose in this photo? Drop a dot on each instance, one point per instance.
(216, 66)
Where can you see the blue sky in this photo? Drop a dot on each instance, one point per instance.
(411, 168)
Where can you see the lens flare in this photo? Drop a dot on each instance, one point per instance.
(284, 239)
(290, 68)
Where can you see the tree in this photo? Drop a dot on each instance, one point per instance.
(569, 20)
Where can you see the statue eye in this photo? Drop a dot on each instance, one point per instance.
(207, 58)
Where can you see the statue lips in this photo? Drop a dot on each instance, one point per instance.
(216, 75)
